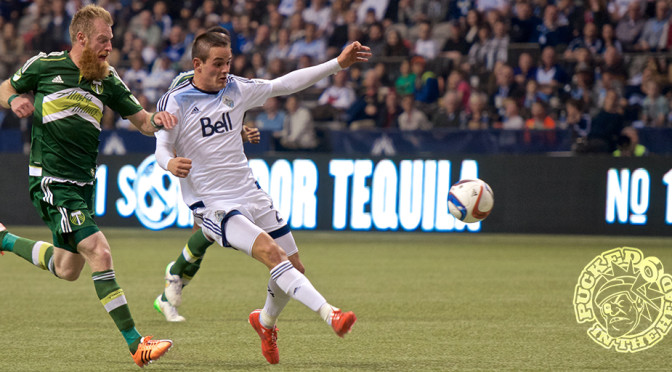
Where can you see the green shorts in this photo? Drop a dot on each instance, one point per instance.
(66, 208)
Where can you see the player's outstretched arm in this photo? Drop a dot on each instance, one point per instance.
(148, 123)
(301, 79)
(353, 53)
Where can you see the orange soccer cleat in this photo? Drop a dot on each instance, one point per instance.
(150, 350)
(269, 347)
(342, 322)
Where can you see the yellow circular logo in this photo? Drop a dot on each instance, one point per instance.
(626, 298)
(77, 218)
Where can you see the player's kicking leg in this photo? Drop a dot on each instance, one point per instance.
(286, 282)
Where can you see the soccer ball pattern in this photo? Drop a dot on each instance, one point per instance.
(470, 200)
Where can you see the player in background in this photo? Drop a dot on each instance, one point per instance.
(205, 152)
(197, 242)
(71, 90)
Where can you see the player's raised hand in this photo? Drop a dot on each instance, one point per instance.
(353, 53)
(165, 119)
(22, 106)
(179, 167)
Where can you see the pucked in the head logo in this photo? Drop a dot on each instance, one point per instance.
(626, 298)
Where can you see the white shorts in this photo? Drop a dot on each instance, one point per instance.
(237, 224)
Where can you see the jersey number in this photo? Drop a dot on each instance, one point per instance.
(208, 129)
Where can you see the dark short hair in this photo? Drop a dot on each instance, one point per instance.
(206, 41)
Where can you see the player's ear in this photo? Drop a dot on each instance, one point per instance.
(197, 64)
(81, 38)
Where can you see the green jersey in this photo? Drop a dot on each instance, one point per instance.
(67, 116)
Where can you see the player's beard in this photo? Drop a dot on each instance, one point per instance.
(91, 67)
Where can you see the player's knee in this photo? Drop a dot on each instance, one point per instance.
(271, 253)
(68, 273)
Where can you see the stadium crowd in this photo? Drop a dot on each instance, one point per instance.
(595, 67)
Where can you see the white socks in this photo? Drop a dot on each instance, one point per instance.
(296, 285)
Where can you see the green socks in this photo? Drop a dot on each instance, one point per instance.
(113, 299)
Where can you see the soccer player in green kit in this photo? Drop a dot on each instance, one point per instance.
(70, 91)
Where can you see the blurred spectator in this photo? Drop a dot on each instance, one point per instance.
(478, 117)
(298, 131)
(162, 19)
(473, 25)
(455, 47)
(619, 8)
(630, 26)
(458, 84)
(549, 74)
(310, 45)
(582, 84)
(655, 107)
(539, 118)
(261, 42)
(143, 27)
(577, 121)
(375, 39)
(504, 88)
(588, 40)
(339, 36)
(609, 39)
(425, 46)
(158, 81)
(499, 50)
(388, 114)
(403, 13)
(502, 6)
(272, 118)
(459, 9)
(57, 32)
(525, 69)
(259, 66)
(572, 15)
(613, 62)
(653, 28)
(481, 49)
(595, 11)
(176, 46)
(511, 120)
(405, 83)
(550, 32)
(523, 23)
(605, 127)
(281, 49)
(276, 68)
(11, 49)
(411, 118)
(426, 82)
(363, 112)
(318, 13)
(628, 144)
(395, 45)
(533, 95)
(136, 75)
(296, 28)
(336, 99)
(449, 114)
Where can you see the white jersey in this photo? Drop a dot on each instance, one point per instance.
(208, 133)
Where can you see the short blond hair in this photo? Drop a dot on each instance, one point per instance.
(83, 20)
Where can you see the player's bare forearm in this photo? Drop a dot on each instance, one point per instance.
(148, 123)
(353, 53)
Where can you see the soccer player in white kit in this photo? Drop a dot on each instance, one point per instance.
(206, 153)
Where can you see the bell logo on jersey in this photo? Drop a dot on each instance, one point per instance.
(208, 128)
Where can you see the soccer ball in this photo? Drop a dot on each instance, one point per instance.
(470, 200)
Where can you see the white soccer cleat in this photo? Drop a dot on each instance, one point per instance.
(169, 311)
(173, 288)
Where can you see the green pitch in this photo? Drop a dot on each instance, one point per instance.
(424, 302)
